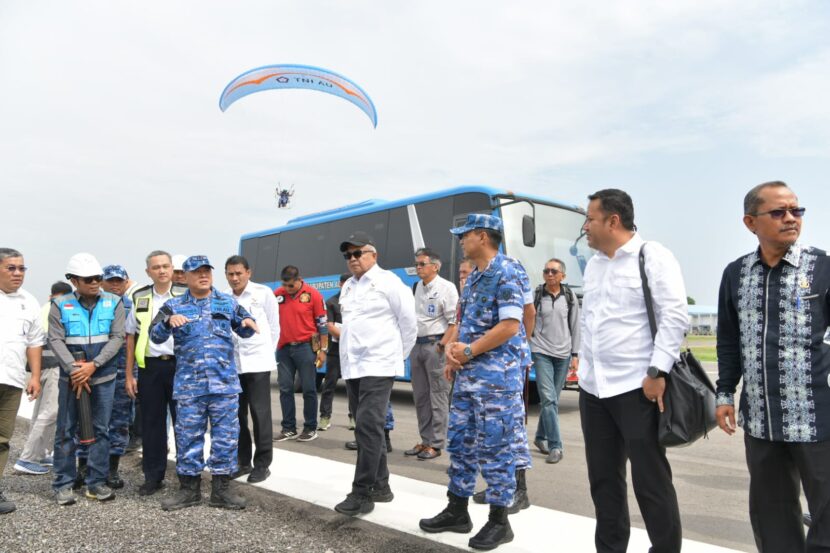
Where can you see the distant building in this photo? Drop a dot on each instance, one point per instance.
(703, 320)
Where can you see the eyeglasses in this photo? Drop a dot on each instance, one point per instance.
(551, 271)
(355, 254)
(424, 263)
(17, 268)
(797, 212)
(91, 279)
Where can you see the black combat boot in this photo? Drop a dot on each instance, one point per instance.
(114, 480)
(454, 518)
(496, 532)
(80, 474)
(221, 495)
(188, 494)
(520, 500)
(479, 497)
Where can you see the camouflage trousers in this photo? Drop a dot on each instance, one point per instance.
(192, 416)
(120, 419)
(483, 434)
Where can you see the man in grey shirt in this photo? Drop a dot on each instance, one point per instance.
(553, 346)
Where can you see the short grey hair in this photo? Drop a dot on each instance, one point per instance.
(156, 253)
(557, 260)
(6, 253)
(752, 200)
(433, 256)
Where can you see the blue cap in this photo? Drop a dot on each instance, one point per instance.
(195, 261)
(479, 220)
(115, 271)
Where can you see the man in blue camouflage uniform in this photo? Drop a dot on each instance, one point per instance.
(488, 362)
(206, 385)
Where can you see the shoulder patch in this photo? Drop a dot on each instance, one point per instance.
(506, 295)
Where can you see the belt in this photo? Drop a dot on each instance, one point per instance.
(428, 339)
(163, 358)
(298, 343)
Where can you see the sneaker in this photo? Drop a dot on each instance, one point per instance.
(150, 487)
(541, 445)
(355, 505)
(307, 436)
(286, 435)
(47, 461)
(6, 506)
(28, 467)
(259, 474)
(325, 423)
(351, 422)
(101, 492)
(65, 496)
(554, 456)
(381, 495)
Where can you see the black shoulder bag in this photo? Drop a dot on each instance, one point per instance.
(689, 400)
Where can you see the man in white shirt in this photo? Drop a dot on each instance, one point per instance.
(436, 300)
(378, 333)
(622, 374)
(156, 364)
(21, 341)
(255, 361)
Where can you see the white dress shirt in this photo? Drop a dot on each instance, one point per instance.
(617, 348)
(131, 326)
(20, 328)
(435, 306)
(257, 354)
(379, 325)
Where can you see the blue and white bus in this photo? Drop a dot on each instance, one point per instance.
(535, 230)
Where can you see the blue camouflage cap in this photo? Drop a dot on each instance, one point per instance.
(115, 271)
(195, 261)
(479, 220)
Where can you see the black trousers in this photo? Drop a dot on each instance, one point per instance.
(777, 471)
(371, 395)
(330, 383)
(617, 429)
(256, 397)
(155, 388)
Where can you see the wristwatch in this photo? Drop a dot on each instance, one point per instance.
(654, 372)
(468, 352)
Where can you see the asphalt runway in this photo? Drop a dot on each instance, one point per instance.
(710, 476)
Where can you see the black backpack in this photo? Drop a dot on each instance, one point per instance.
(570, 297)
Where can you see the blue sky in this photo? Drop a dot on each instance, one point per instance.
(111, 140)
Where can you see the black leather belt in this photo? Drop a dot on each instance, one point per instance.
(298, 343)
(163, 357)
(428, 339)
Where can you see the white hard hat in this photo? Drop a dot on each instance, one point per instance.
(178, 262)
(83, 265)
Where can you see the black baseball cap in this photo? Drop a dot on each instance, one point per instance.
(358, 239)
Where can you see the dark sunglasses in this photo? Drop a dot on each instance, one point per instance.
(17, 268)
(355, 254)
(551, 271)
(424, 263)
(797, 212)
(92, 279)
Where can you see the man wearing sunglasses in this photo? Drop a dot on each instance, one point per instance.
(21, 341)
(436, 301)
(302, 320)
(378, 333)
(88, 323)
(773, 314)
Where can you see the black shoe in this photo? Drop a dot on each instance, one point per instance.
(241, 471)
(352, 445)
(388, 442)
(808, 519)
(496, 532)
(355, 505)
(80, 475)
(454, 518)
(114, 480)
(221, 496)
(188, 494)
(479, 497)
(150, 487)
(381, 495)
(259, 474)
(6, 506)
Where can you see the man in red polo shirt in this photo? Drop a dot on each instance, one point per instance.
(302, 315)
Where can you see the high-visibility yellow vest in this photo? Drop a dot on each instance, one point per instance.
(143, 308)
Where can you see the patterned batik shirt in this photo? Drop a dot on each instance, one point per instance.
(771, 328)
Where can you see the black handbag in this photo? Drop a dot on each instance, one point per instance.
(689, 400)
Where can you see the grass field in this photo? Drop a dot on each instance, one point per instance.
(703, 347)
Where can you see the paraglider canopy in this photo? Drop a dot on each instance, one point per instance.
(297, 76)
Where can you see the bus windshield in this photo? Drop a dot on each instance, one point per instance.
(557, 231)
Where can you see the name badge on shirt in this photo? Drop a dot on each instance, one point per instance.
(143, 304)
(431, 309)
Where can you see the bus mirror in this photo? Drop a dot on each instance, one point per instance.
(528, 231)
